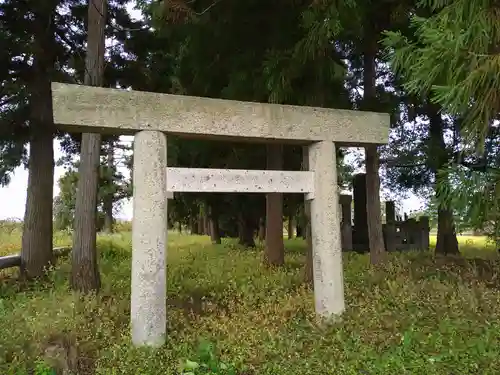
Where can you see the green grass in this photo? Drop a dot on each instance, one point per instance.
(416, 314)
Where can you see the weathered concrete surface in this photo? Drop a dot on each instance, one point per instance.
(238, 181)
(116, 111)
(149, 239)
(325, 230)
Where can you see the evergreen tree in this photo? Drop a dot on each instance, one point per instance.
(454, 57)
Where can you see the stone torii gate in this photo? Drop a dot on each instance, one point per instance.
(149, 117)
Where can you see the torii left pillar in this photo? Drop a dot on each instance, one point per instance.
(149, 240)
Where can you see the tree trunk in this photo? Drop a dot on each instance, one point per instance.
(194, 225)
(306, 225)
(201, 224)
(262, 229)
(309, 270)
(212, 210)
(290, 227)
(85, 272)
(274, 253)
(375, 234)
(206, 225)
(109, 197)
(447, 242)
(298, 228)
(213, 222)
(36, 252)
(245, 231)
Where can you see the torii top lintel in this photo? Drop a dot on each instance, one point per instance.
(79, 108)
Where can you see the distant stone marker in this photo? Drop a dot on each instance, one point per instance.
(149, 117)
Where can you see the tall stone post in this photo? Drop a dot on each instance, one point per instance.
(413, 234)
(149, 239)
(346, 223)
(390, 212)
(325, 231)
(360, 216)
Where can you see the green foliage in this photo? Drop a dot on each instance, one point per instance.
(475, 195)
(453, 57)
(111, 184)
(262, 320)
(206, 362)
(452, 54)
(41, 368)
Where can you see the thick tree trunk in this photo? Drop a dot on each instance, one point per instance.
(109, 198)
(274, 253)
(36, 252)
(375, 234)
(447, 242)
(85, 272)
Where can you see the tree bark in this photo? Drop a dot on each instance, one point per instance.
(85, 272)
(109, 197)
(298, 227)
(306, 228)
(213, 222)
(194, 225)
(245, 231)
(201, 224)
(36, 252)
(206, 225)
(274, 253)
(262, 229)
(375, 234)
(447, 242)
(290, 227)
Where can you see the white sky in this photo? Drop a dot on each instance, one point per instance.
(13, 196)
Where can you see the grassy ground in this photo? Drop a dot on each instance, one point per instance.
(415, 315)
